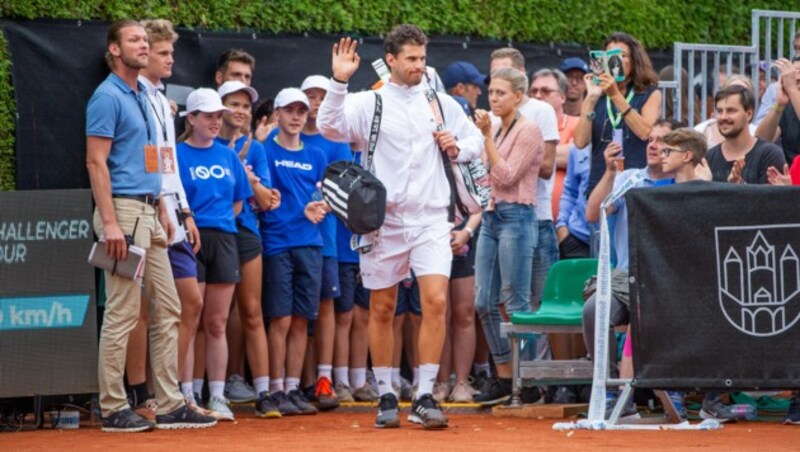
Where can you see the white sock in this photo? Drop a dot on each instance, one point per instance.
(384, 377)
(276, 385)
(261, 384)
(427, 377)
(416, 377)
(324, 370)
(187, 389)
(482, 367)
(396, 376)
(340, 376)
(197, 386)
(292, 383)
(358, 377)
(216, 389)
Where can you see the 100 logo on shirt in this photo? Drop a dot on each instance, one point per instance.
(204, 172)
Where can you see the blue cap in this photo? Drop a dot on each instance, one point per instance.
(573, 63)
(462, 72)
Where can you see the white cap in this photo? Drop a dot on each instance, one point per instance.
(234, 86)
(315, 81)
(204, 99)
(289, 96)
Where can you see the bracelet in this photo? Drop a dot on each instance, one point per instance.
(625, 113)
(338, 81)
(470, 231)
(778, 108)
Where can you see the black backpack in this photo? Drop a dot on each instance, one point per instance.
(353, 193)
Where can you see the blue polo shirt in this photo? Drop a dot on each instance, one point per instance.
(621, 211)
(118, 112)
(333, 153)
(295, 174)
(214, 179)
(256, 159)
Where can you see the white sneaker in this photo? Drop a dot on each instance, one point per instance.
(192, 404)
(221, 406)
(462, 393)
(440, 391)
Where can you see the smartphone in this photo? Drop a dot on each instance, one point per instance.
(617, 138)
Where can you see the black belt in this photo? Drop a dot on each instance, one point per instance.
(147, 199)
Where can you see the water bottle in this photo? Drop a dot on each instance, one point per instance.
(744, 412)
(317, 195)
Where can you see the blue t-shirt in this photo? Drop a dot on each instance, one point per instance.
(333, 153)
(295, 175)
(214, 179)
(117, 112)
(256, 159)
(345, 254)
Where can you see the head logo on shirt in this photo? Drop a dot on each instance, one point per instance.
(204, 172)
(293, 164)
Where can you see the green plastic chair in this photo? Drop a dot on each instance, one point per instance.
(562, 301)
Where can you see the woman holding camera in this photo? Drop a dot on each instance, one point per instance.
(514, 148)
(625, 110)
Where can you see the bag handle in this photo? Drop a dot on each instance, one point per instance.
(438, 116)
(374, 131)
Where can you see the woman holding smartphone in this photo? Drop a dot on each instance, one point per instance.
(216, 184)
(514, 148)
(620, 111)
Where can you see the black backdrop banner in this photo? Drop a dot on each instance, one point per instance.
(57, 64)
(716, 297)
(48, 328)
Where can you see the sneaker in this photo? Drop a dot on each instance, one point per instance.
(326, 397)
(266, 407)
(184, 417)
(344, 393)
(364, 394)
(285, 406)
(461, 393)
(148, 409)
(198, 399)
(498, 392)
(192, 404)
(793, 413)
(221, 406)
(628, 411)
(677, 401)
(238, 391)
(387, 412)
(373, 384)
(301, 402)
(126, 421)
(713, 408)
(483, 382)
(425, 410)
(406, 390)
(564, 395)
(528, 396)
(440, 391)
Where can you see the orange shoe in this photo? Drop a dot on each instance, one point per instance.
(326, 397)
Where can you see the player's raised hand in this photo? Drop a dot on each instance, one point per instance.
(345, 59)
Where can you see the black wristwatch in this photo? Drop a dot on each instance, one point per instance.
(590, 116)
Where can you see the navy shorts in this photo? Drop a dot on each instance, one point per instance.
(218, 258)
(292, 282)
(330, 278)
(464, 265)
(182, 260)
(249, 244)
(352, 291)
(408, 297)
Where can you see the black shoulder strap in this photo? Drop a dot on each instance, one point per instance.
(374, 130)
(438, 116)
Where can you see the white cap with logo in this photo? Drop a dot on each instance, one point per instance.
(289, 96)
(234, 86)
(315, 81)
(205, 100)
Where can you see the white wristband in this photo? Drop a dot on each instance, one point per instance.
(470, 231)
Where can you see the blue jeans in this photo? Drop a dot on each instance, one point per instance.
(503, 270)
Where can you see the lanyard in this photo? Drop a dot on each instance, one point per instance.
(616, 119)
(142, 97)
(500, 129)
(161, 122)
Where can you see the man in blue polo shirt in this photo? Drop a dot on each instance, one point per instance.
(124, 166)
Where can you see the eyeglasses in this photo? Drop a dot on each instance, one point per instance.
(665, 152)
(544, 91)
